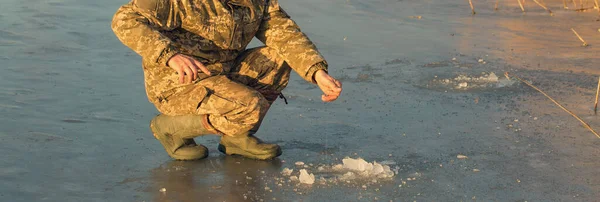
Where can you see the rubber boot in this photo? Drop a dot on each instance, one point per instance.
(176, 134)
(249, 147)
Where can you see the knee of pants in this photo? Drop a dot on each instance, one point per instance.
(257, 107)
(249, 117)
(247, 109)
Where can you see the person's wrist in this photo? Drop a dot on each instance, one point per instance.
(312, 71)
(318, 75)
(167, 55)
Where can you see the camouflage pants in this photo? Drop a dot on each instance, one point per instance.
(236, 102)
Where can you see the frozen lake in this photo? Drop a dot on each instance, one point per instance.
(419, 95)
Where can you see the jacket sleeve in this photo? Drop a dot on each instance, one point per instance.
(280, 32)
(139, 29)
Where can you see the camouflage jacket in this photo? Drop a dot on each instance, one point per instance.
(215, 32)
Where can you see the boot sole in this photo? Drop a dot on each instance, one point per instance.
(237, 151)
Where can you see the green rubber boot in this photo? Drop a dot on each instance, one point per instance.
(176, 134)
(249, 147)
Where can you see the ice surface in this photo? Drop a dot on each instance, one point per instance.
(306, 178)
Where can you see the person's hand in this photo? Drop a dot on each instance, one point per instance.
(331, 87)
(187, 67)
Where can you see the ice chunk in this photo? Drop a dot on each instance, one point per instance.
(348, 176)
(377, 168)
(322, 180)
(306, 178)
(492, 77)
(299, 163)
(287, 171)
(357, 164)
(365, 169)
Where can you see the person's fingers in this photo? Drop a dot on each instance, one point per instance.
(338, 83)
(188, 68)
(333, 87)
(337, 94)
(328, 98)
(181, 75)
(336, 89)
(194, 69)
(202, 67)
(189, 74)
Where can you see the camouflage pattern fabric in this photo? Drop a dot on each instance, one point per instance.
(216, 33)
(234, 102)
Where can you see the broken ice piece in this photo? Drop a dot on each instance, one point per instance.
(287, 171)
(480, 60)
(475, 170)
(492, 77)
(460, 156)
(348, 176)
(357, 164)
(163, 190)
(299, 163)
(293, 178)
(377, 168)
(306, 178)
